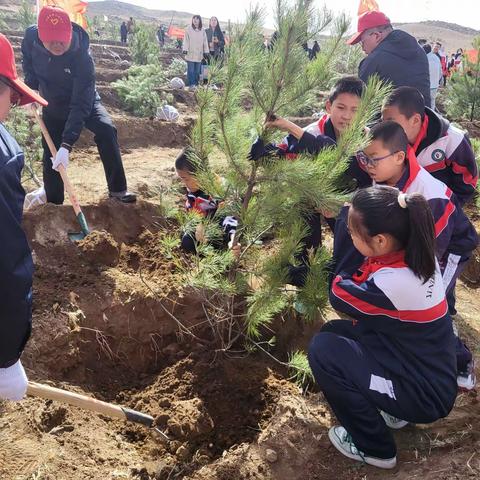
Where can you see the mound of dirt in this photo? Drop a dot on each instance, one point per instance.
(100, 248)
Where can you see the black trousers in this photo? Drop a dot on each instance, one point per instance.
(100, 124)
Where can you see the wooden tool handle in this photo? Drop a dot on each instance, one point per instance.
(88, 403)
(61, 170)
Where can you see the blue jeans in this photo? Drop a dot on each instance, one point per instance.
(193, 73)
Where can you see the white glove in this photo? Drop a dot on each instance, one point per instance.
(61, 158)
(35, 198)
(13, 382)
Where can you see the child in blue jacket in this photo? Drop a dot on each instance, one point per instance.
(396, 358)
(16, 265)
(390, 161)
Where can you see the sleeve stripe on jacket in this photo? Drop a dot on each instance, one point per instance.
(416, 316)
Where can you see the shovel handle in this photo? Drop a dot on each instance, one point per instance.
(61, 169)
(88, 403)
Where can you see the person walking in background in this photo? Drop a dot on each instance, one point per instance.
(161, 35)
(195, 46)
(437, 50)
(436, 73)
(215, 38)
(394, 55)
(123, 32)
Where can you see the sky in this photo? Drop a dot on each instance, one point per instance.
(462, 12)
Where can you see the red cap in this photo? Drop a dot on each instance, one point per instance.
(54, 25)
(9, 71)
(366, 21)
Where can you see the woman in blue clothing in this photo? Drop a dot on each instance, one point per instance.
(396, 359)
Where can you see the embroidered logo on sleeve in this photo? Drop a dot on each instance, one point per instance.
(438, 155)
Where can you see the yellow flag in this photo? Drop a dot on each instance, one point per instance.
(76, 9)
(367, 6)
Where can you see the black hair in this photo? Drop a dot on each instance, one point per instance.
(392, 135)
(428, 48)
(377, 210)
(184, 163)
(352, 85)
(408, 100)
(200, 26)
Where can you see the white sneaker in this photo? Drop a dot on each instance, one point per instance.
(35, 198)
(466, 379)
(342, 441)
(393, 422)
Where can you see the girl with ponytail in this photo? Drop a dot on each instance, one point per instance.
(396, 358)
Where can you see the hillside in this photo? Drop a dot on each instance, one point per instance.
(451, 35)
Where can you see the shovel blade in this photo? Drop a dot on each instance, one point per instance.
(76, 236)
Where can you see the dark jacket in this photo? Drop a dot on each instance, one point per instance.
(67, 82)
(454, 232)
(446, 153)
(218, 47)
(404, 323)
(400, 60)
(123, 29)
(317, 136)
(16, 265)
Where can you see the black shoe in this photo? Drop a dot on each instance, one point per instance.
(124, 197)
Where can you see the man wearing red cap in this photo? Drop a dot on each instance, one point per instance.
(57, 62)
(16, 266)
(394, 55)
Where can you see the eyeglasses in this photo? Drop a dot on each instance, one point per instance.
(365, 160)
(15, 96)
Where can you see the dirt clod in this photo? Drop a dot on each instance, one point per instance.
(271, 455)
(100, 248)
(189, 419)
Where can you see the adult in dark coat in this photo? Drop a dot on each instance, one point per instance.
(56, 61)
(394, 55)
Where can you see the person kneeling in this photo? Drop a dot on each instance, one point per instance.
(396, 359)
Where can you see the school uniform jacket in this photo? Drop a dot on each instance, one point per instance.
(446, 153)
(206, 206)
(318, 135)
(404, 323)
(454, 232)
(16, 265)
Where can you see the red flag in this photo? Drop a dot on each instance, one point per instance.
(368, 6)
(175, 32)
(76, 9)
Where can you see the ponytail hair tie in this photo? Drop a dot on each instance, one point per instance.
(402, 200)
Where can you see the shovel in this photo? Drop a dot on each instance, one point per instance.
(74, 237)
(88, 403)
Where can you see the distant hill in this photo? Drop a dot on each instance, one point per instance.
(451, 35)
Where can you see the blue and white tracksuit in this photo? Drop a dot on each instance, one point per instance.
(456, 237)
(446, 153)
(397, 355)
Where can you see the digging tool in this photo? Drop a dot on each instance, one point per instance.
(66, 182)
(87, 403)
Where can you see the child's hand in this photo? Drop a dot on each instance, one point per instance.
(200, 233)
(326, 213)
(237, 250)
(275, 122)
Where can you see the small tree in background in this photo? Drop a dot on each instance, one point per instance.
(242, 296)
(26, 14)
(463, 94)
(144, 45)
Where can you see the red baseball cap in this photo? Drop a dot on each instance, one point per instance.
(366, 21)
(54, 25)
(9, 71)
